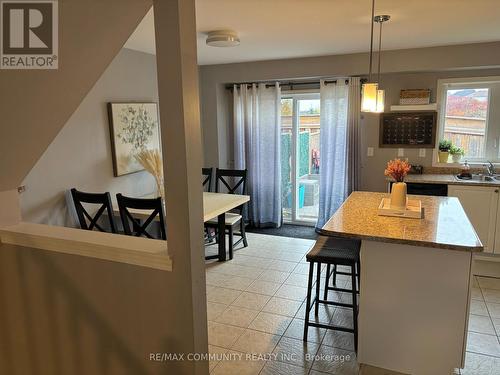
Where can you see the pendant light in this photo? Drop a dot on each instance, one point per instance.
(380, 93)
(373, 97)
(369, 89)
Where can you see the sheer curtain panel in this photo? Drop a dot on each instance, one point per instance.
(353, 135)
(333, 170)
(256, 111)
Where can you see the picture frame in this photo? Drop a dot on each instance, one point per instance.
(133, 127)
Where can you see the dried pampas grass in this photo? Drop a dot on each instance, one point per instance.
(152, 162)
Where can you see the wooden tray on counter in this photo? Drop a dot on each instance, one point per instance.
(413, 209)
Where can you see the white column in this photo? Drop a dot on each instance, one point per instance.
(175, 29)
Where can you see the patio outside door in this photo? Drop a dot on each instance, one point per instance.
(300, 157)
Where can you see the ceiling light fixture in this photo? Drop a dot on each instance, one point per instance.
(373, 98)
(222, 38)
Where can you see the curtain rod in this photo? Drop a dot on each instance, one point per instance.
(291, 84)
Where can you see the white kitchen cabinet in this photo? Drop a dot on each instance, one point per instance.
(481, 206)
(496, 248)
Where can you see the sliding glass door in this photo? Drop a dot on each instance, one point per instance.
(300, 157)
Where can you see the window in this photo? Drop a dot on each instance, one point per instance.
(300, 157)
(469, 118)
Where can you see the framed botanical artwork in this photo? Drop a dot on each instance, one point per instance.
(134, 128)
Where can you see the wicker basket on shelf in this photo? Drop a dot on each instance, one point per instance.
(415, 96)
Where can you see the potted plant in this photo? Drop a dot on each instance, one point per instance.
(444, 150)
(456, 153)
(397, 169)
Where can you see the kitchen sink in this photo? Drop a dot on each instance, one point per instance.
(480, 178)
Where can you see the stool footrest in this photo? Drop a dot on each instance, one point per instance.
(333, 303)
(339, 289)
(343, 273)
(208, 257)
(327, 326)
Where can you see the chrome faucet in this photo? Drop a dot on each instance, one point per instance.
(490, 168)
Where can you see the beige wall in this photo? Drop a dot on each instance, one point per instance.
(80, 156)
(413, 68)
(64, 314)
(35, 104)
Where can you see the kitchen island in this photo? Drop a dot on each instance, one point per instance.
(415, 282)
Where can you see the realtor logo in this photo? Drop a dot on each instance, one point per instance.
(29, 34)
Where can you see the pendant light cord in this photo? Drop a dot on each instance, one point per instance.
(371, 41)
(379, 49)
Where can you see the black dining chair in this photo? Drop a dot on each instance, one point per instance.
(234, 181)
(91, 222)
(139, 229)
(207, 179)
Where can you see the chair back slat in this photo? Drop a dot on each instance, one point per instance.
(234, 180)
(86, 220)
(207, 179)
(138, 229)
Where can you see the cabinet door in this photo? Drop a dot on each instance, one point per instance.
(480, 205)
(496, 248)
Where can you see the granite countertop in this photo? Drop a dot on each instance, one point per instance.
(445, 224)
(448, 179)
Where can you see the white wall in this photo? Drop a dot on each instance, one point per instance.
(80, 156)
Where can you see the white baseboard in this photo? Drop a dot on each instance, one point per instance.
(486, 267)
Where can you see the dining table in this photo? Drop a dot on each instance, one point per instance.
(215, 205)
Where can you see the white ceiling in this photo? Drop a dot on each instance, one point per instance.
(277, 29)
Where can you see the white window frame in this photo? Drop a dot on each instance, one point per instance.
(442, 86)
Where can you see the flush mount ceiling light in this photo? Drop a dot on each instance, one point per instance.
(223, 38)
(373, 97)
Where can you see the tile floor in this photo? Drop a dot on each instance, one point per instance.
(483, 344)
(255, 305)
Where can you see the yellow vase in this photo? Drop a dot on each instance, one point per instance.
(398, 196)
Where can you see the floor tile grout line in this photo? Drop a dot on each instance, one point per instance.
(324, 336)
(489, 316)
(483, 354)
(497, 332)
(291, 318)
(299, 317)
(487, 308)
(482, 333)
(218, 363)
(249, 291)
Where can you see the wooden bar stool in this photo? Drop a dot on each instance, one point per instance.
(333, 251)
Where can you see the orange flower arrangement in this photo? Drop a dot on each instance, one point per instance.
(397, 169)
